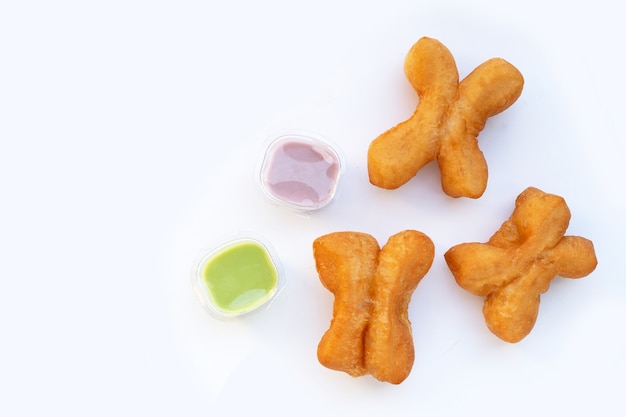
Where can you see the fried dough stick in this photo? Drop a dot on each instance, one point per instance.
(346, 264)
(370, 331)
(488, 90)
(398, 154)
(446, 122)
(520, 260)
(403, 262)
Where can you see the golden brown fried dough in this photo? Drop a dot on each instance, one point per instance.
(403, 262)
(446, 122)
(370, 331)
(346, 263)
(398, 154)
(520, 260)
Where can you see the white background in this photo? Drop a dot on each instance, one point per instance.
(128, 134)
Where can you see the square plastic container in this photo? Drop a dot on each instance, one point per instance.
(301, 170)
(238, 277)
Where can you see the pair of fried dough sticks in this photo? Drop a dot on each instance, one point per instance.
(370, 332)
(446, 123)
(519, 261)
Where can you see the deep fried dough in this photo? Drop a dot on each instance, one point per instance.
(402, 264)
(398, 154)
(446, 122)
(346, 263)
(519, 261)
(370, 331)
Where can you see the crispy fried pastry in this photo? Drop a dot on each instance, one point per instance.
(520, 260)
(370, 331)
(403, 262)
(446, 122)
(346, 264)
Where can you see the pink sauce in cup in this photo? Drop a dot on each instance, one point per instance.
(301, 171)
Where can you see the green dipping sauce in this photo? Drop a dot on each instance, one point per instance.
(240, 277)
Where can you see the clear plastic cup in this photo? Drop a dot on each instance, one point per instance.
(238, 277)
(301, 170)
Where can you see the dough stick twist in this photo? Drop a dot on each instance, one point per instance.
(519, 261)
(370, 331)
(446, 123)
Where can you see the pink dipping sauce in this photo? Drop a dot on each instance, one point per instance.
(301, 172)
